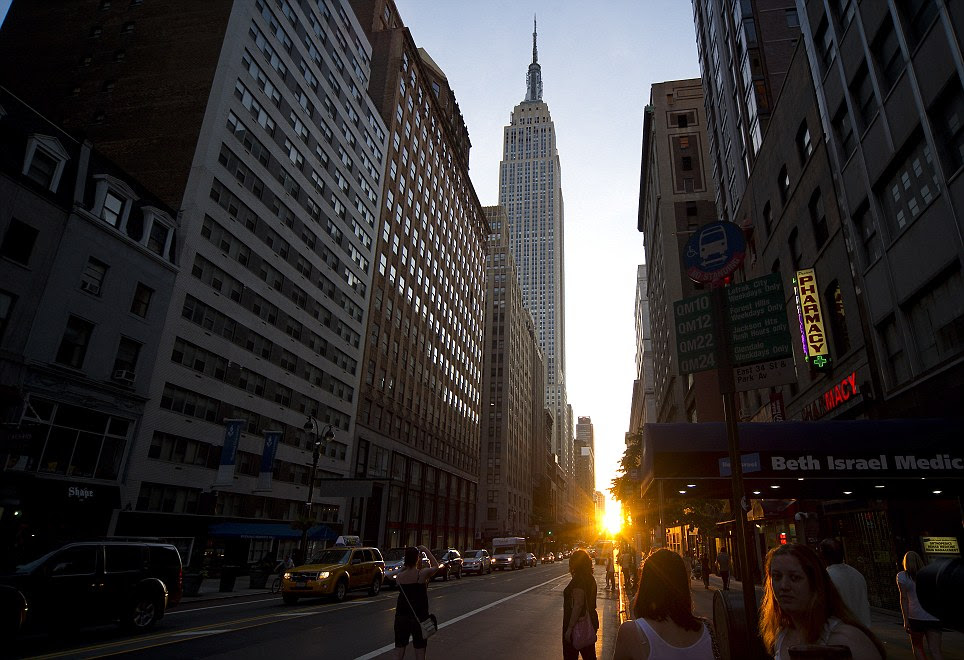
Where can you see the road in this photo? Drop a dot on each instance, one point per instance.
(515, 614)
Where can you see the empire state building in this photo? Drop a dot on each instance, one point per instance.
(530, 191)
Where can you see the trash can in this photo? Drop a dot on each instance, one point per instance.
(737, 637)
(258, 579)
(228, 576)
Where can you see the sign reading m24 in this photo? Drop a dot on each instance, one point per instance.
(695, 339)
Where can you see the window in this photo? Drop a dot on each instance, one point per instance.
(917, 17)
(18, 242)
(865, 102)
(7, 301)
(128, 351)
(823, 39)
(896, 369)
(843, 127)
(92, 279)
(75, 561)
(947, 117)
(793, 20)
(767, 218)
(687, 163)
(42, 168)
(783, 184)
(73, 346)
(910, 189)
(844, 10)
(804, 144)
(112, 210)
(142, 300)
(867, 235)
(793, 242)
(833, 299)
(818, 218)
(886, 49)
(936, 317)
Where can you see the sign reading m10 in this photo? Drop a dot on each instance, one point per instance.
(695, 341)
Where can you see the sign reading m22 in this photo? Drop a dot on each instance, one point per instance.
(695, 339)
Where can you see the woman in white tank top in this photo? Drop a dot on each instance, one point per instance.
(665, 627)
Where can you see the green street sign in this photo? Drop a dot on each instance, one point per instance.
(757, 321)
(695, 339)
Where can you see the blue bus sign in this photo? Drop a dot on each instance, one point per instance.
(714, 251)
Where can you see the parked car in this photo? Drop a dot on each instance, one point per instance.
(93, 582)
(530, 559)
(477, 561)
(394, 559)
(334, 572)
(449, 564)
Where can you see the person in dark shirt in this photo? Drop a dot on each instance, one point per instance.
(579, 599)
(412, 605)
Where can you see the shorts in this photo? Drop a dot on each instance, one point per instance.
(406, 628)
(923, 625)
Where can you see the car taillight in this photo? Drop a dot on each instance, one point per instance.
(180, 578)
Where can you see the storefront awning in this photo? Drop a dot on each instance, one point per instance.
(905, 458)
(251, 530)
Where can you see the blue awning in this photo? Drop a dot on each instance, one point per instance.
(252, 530)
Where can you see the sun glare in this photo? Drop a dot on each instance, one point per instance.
(613, 520)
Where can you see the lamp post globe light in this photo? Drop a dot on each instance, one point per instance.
(320, 440)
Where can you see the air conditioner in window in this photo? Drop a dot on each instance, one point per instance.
(123, 376)
(90, 287)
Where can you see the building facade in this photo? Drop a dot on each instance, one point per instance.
(275, 162)
(585, 456)
(744, 48)
(420, 401)
(676, 198)
(87, 277)
(530, 191)
(510, 402)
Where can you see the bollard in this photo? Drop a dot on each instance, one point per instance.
(737, 640)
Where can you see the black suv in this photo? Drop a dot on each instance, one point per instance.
(93, 582)
(449, 564)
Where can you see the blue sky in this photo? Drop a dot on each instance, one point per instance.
(598, 62)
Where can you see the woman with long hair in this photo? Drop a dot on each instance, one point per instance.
(579, 600)
(412, 605)
(664, 626)
(802, 606)
(920, 624)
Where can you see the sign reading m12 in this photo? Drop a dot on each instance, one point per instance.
(695, 339)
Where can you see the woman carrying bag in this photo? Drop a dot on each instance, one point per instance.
(412, 606)
(579, 619)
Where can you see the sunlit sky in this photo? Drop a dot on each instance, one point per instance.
(598, 60)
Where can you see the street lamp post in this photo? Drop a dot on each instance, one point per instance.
(326, 436)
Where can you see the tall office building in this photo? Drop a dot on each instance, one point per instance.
(744, 48)
(530, 190)
(251, 118)
(419, 414)
(675, 198)
(586, 456)
(512, 365)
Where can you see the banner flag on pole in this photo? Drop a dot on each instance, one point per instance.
(271, 440)
(229, 452)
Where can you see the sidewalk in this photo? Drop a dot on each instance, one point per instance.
(210, 590)
(887, 625)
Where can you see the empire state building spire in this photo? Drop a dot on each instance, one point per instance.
(534, 76)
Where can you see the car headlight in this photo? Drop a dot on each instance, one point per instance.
(324, 575)
(287, 575)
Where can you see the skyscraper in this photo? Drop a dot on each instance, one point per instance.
(530, 190)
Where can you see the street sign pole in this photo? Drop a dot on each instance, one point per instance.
(725, 372)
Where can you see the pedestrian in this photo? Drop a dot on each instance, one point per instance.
(920, 624)
(610, 572)
(579, 600)
(664, 626)
(289, 562)
(628, 566)
(705, 570)
(723, 568)
(848, 580)
(801, 606)
(412, 604)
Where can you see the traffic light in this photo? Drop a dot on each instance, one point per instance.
(549, 533)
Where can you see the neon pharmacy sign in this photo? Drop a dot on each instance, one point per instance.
(812, 330)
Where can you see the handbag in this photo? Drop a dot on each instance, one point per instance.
(583, 634)
(429, 626)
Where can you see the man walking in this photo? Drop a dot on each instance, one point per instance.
(723, 568)
(848, 580)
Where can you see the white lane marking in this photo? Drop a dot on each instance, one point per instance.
(389, 647)
(262, 600)
(197, 633)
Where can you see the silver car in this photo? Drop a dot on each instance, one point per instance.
(476, 561)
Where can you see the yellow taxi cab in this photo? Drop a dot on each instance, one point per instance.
(334, 572)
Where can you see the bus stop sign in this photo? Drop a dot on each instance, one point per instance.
(714, 251)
